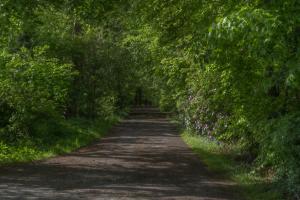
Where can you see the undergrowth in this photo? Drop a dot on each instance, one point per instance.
(66, 136)
(222, 159)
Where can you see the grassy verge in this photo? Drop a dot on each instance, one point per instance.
(220, 159)
(68, 136)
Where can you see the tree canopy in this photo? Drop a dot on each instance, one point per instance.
(229, 69)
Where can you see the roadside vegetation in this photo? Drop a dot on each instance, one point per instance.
(65, 137)
(225, 160)
(228, 69)
(64, 78)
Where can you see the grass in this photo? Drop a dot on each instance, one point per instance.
(63, 137)
(220, 159)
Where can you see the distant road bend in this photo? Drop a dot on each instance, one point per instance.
(141, 158)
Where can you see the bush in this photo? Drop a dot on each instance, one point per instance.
(280, 148)
(31, 84)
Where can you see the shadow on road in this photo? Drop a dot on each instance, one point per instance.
(142, 158)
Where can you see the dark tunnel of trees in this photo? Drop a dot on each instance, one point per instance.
(228, 69)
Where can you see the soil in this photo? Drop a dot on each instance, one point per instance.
(143, 157)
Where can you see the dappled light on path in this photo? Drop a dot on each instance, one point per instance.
(142, 158)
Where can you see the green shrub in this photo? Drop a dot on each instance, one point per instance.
(31, 84)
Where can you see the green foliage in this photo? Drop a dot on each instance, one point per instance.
(60, 59)
(221, 158)
(281, 148)
(231, 70)
(55, 137)
(31, 84)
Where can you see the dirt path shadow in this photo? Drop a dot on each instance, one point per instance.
(142, 158)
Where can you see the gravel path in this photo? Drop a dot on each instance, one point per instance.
(142, 158)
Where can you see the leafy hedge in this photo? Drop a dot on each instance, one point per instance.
(231, 71)
(59, 60)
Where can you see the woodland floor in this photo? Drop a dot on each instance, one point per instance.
(143, 157)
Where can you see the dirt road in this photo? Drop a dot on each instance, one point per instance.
(142, 158)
